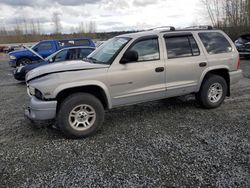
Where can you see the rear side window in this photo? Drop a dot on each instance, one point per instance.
(84, 52)
(78, 42)
(181, 46)
(44, 46)
(215, 43)
(82, 42)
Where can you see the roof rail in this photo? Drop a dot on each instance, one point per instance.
(170, 28)
(207, 27)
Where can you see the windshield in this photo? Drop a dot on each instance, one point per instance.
(52, 55)
(106, 52)
(34, 45)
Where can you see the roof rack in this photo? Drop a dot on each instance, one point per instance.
(207, 27)
(169, 28)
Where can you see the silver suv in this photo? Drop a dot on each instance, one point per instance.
(130, 69)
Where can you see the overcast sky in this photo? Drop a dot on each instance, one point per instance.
(109, 15)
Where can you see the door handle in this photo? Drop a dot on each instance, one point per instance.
(203, 64)
(159, 69)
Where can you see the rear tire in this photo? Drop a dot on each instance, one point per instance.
(212, 92)
(80, 115)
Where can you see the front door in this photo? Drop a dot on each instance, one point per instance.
(45, 48)
(142, 80)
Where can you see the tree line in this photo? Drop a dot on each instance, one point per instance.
(233, 16)
(31, 30)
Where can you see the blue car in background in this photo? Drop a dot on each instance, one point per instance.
(66, 54)
(45, 49)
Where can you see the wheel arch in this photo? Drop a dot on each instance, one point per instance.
(18, 59)
(220, 71)
(96, 90)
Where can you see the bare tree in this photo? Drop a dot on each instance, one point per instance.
(227, 13)
(3, 31)
(18, 29)
(25, 26)
(57, 22)
(92, 27)
(87, 27)
(38, 27)
(247, 10)
(81, 28)
(214, 9)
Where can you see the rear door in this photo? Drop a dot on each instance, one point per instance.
(185, 63)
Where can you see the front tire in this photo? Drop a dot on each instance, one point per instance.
(212, 92)
(80, 115)
(23, 61)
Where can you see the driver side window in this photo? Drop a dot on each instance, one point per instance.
(148, 49)
(66, 55)
(61, 56)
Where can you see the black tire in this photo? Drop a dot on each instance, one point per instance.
(23, 61)
(70, 103)
(203, 96)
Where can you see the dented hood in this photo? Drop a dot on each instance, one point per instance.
(62, 67)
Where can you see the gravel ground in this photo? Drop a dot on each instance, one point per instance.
(167, 143)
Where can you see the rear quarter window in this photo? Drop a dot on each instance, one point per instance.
(83, 42)
(44, 46)
(215, 43)
(78, 42)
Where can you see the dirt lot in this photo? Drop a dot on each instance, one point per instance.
(168, 143)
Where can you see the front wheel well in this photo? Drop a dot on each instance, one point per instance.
(20, 58)
(223, 73)
(97, 91)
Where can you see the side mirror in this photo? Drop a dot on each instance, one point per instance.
(129, 56)
(51, 60)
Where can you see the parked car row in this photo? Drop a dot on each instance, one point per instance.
(47, 52)
(243, 45)
(2, 48)
(7, 49)
(44, 49)
(133, 68)
(66, 54)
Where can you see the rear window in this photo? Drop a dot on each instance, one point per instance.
(215, 43)
(68, 43)
(246, 37)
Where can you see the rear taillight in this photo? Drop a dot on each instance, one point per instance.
(238, 64)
